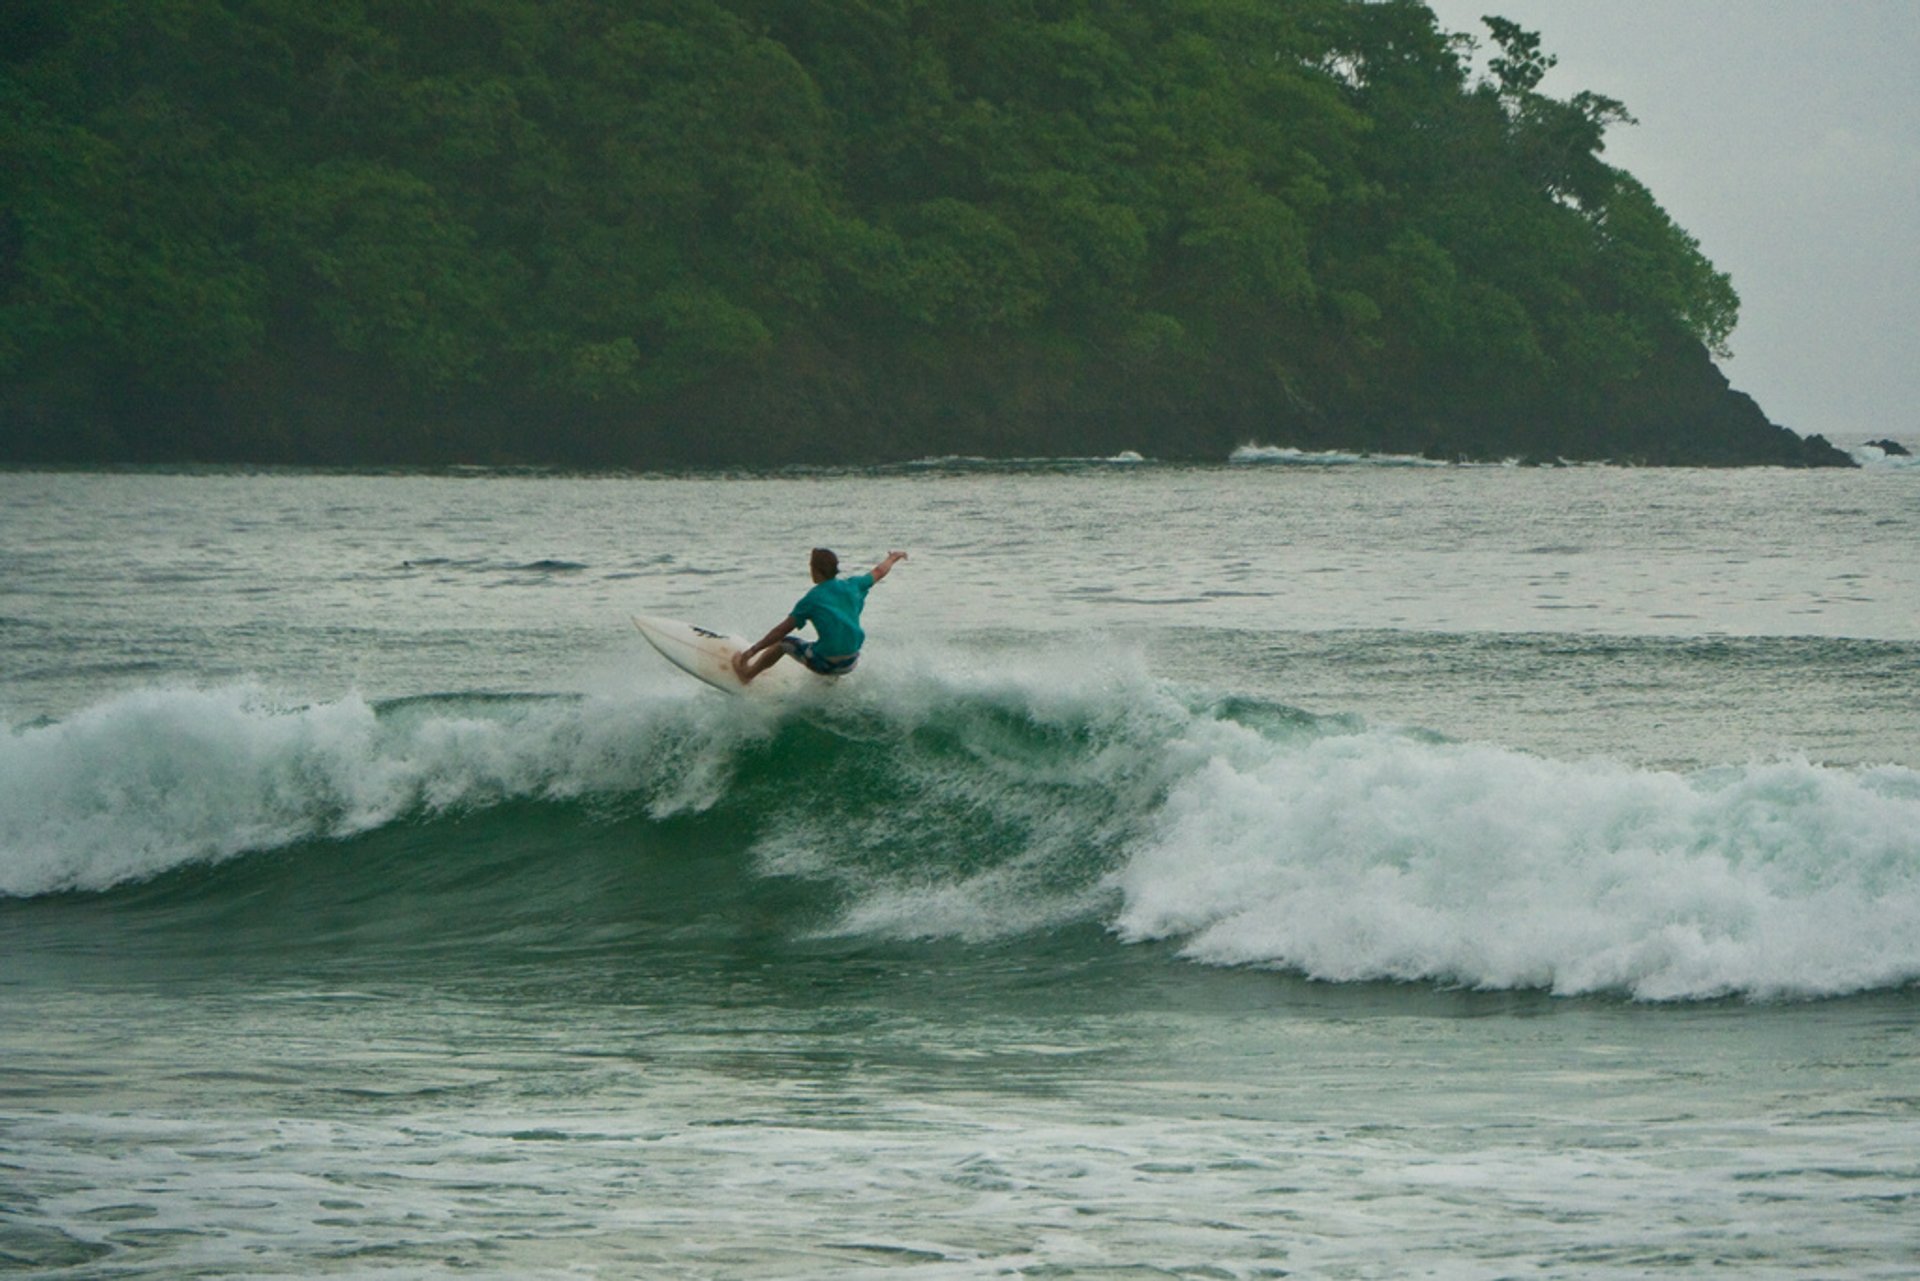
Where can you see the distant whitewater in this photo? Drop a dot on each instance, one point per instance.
(1287, 455)
(1875, 456)
(1240, 833)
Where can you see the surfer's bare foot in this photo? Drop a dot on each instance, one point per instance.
(740, 667)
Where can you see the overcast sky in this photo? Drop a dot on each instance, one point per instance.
(1785, 135)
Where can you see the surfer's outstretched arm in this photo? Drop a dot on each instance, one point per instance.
(893, 558)
(745, 665)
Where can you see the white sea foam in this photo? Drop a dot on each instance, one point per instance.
(147, 782)
(1874, 457)
(1378, 857)
(133, 786)
(1288, 455)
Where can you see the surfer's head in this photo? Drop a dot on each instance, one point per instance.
(824, 564)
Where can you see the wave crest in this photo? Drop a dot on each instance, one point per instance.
(142, 784)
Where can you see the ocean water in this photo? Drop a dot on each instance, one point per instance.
(1310, 865)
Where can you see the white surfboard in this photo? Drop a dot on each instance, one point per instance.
(708, 655)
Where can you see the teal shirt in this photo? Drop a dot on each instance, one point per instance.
(833, 607)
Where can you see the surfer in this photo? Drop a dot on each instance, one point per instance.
(833, 606)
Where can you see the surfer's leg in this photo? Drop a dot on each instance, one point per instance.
(789, 647)
(748, 668)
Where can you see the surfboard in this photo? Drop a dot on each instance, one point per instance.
(707, 655)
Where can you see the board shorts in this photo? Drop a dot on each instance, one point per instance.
(803, 650)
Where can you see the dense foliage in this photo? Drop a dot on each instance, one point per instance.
(671, 230)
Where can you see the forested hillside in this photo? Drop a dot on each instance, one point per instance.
(651, 232)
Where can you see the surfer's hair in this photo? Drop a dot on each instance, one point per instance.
(824, 563)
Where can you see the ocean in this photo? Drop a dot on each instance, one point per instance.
(1308, 865)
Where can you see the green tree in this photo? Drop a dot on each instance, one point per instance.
(630, 214)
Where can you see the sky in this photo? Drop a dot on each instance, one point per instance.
(1785, 136)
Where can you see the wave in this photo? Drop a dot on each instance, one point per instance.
(1044, 462)
(1875, 457)
(923, 805)
(1286, 455)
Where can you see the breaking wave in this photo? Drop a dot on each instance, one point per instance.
(1232, 832)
